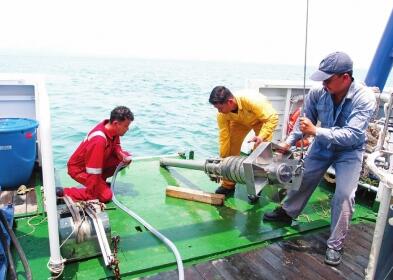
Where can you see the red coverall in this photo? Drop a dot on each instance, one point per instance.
(93, 162)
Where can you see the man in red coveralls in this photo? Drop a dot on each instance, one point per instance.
(97, 157)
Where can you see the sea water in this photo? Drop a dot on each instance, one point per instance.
(169, 98)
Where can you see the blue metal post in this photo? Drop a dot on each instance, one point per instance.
(383, 58)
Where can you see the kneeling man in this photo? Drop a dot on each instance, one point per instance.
(97, 157)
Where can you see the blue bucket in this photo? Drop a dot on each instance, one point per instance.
(17, 151)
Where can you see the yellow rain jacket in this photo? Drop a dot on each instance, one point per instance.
(254, 112)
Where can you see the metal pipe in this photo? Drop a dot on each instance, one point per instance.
(382, 137)
(379, 231)
(383, 96)
(385, 185)
(384, 176)
(230, 168)
(255, 170)
(361, 184)
(183, 163)
(56, 262)
(368, 187)
(101, 236)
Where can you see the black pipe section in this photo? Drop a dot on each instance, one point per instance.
(7, 250)
(18, 248)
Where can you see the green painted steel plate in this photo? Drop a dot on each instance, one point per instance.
(200, 231)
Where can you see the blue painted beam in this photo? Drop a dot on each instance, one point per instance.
(383, 59)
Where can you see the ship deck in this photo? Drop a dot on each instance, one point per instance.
(214, 241)
(298, 258)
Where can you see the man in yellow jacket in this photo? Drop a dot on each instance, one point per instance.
(237, 115)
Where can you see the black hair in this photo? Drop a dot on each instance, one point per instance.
(350, 74)
(121, 113)
(219, 95)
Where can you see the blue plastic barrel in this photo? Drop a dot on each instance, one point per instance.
(17, 150)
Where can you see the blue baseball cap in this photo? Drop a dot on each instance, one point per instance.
(334, 63)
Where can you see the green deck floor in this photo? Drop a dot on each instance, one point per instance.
(200, 231)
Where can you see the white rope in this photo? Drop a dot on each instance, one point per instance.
(56, 270)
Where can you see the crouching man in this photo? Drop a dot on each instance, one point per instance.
(97, 157)
(237, 114)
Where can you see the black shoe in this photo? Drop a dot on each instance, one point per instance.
(224, 191)
(332, 257)
(278, 215)
(59, 192)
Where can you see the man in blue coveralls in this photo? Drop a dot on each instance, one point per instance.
(343, 107)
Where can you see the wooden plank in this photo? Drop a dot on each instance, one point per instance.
(298, 259)
(31, 202)
(192, 274)
(286, 256)
(208, 271)
(364, 235)
(279, 259)
(19, 203)
(367, 227)
(298, 264)
(347, 266)
(6, 197)
(260, 266)
(349, 260)
(195, 195)
(356, 239)
(227, 270)
(168, 275)
(313, 263)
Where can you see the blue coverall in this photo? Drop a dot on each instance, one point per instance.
(339, 141)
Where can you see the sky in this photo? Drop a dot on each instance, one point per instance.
(257, 31)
